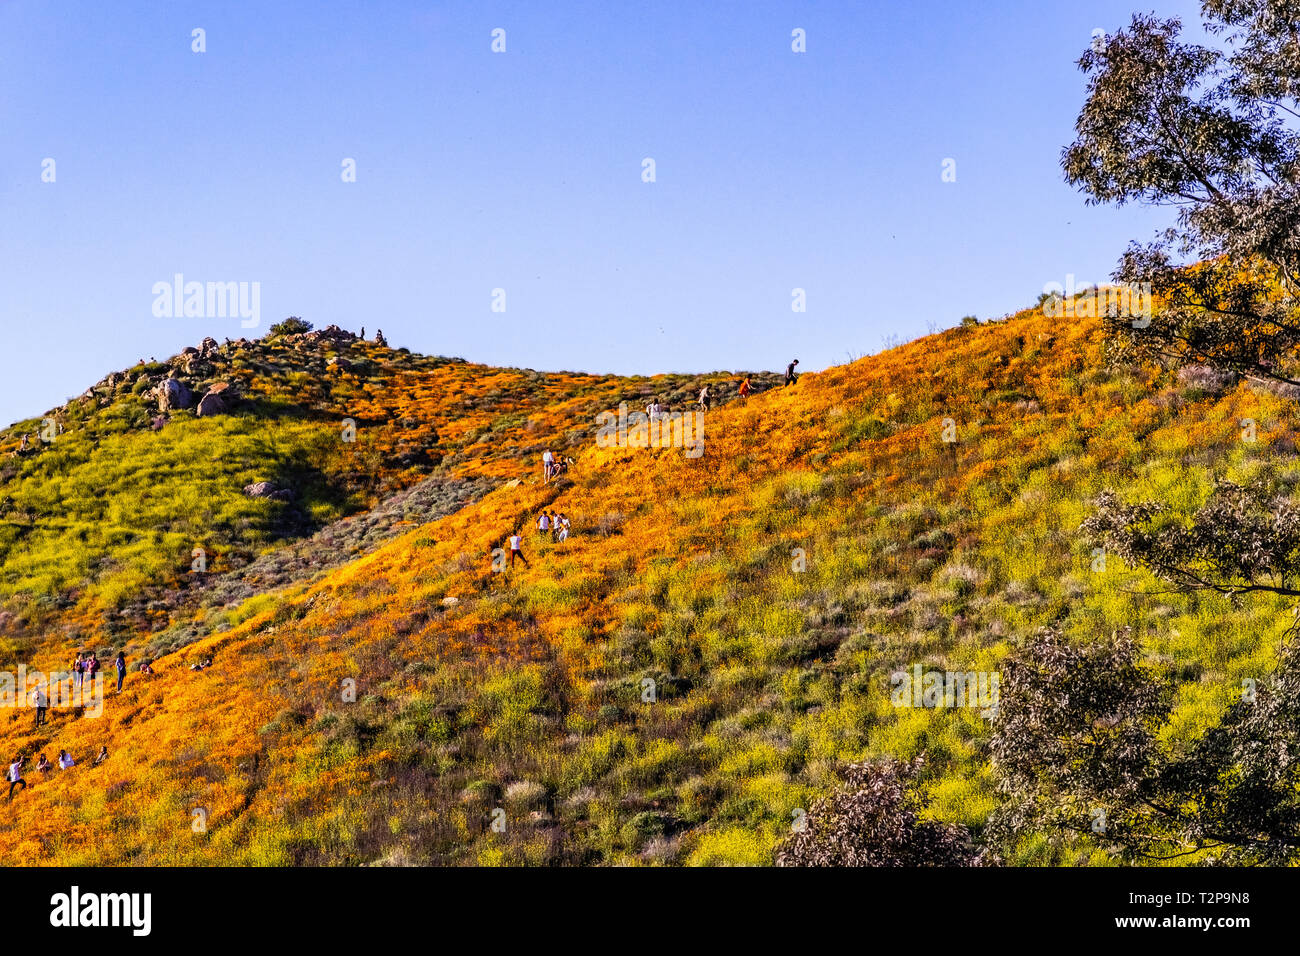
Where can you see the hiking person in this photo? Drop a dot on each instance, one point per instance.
(100, 757)
(41, 702)
(544, 523)
(78, 668)
(65, 760)
(121, 669)
(92, 667)
(516, 542)
(363, 333)
(744, 389)
(548, 465)
(145, 667)
(704, 398)
(790, 376)
(16, 775)
(564, 527)
(44, 765)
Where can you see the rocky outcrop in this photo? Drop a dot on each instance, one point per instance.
(331, 333)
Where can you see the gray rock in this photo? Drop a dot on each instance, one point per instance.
(173, 395)
(268, 490)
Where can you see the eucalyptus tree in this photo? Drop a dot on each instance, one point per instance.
(1210, 130)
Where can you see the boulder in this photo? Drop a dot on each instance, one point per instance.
(208, 346)
(173, 395)
(268, 490)
(217, 401)
(210, 405)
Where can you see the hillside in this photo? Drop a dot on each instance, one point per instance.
(99, 526)
(525, 690)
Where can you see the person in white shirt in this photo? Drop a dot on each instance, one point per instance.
(41, 702)
(548, 464)
(65, 760)
(16, 776)
(544, 522)
(564, 528)
(516, 549)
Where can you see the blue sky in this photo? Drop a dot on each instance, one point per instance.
(522, 171)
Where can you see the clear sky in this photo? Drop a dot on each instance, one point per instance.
(522, 171)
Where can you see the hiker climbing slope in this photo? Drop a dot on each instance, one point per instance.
(516, 549)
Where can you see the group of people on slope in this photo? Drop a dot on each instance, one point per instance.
(655, 410)
(44, 766)
(553, 467)
(556, 524)
(84, 668)
(86, 665)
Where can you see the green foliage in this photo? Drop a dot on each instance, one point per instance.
(290, 326)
